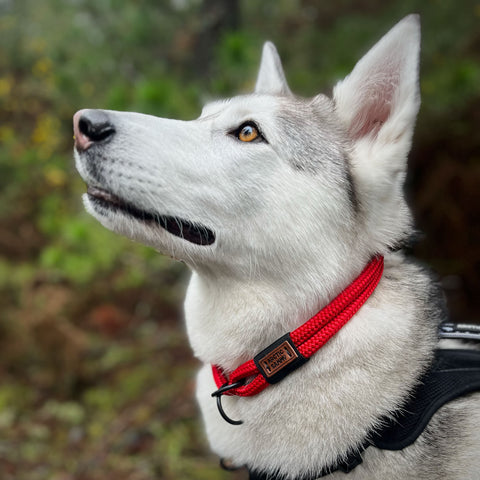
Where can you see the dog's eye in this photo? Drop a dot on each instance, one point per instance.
(248, 132)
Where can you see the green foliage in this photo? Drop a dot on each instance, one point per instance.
(96, 372)
(236, 63)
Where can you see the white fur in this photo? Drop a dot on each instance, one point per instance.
(291, 232)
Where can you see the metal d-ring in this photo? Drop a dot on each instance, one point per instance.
(218, 394)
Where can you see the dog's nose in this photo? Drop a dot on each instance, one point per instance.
(90, 126)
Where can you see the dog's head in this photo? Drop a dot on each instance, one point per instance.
(267, 181)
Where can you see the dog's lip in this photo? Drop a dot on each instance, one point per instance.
(190, 231)
(104, 195)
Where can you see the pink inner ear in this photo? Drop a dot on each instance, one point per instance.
(375, 105)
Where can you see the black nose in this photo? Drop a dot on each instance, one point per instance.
(95, 125)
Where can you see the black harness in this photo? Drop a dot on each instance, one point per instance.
(453, 373)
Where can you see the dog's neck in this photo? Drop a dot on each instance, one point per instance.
(230, 328)
(229, 320)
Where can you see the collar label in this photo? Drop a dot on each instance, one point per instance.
(279, 359)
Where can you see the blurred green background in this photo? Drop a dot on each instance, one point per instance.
(97, 377)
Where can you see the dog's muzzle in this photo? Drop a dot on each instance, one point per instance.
(95, 127)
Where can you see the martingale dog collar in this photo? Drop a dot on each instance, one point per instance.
(293, 349)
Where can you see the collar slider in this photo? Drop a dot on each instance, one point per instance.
(279, 359)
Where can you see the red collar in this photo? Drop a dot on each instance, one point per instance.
(295, 348)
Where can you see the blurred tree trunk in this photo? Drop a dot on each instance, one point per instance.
(217, 17)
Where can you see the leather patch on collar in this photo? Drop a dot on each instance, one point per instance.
(279, 359)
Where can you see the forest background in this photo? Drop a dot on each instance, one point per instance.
(96, 374)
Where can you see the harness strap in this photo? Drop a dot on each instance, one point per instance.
(454, 373)
(459, 331)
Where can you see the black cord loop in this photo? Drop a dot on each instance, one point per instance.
(218, 394)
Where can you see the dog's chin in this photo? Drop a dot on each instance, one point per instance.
(113, 212)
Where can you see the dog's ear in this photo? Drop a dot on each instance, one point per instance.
(378, 103)
(271, 79)
(379, 100)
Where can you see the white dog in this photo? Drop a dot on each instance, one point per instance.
(278, 203)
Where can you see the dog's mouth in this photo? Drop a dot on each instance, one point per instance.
(192, 232)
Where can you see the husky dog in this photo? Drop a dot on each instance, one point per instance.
(277, 203)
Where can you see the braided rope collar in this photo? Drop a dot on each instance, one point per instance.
(295, 348)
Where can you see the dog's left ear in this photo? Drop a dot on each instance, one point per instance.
(378, 102)
(271, 79)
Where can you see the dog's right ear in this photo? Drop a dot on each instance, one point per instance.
(271, 79)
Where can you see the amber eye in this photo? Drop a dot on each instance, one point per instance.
(248, 133)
